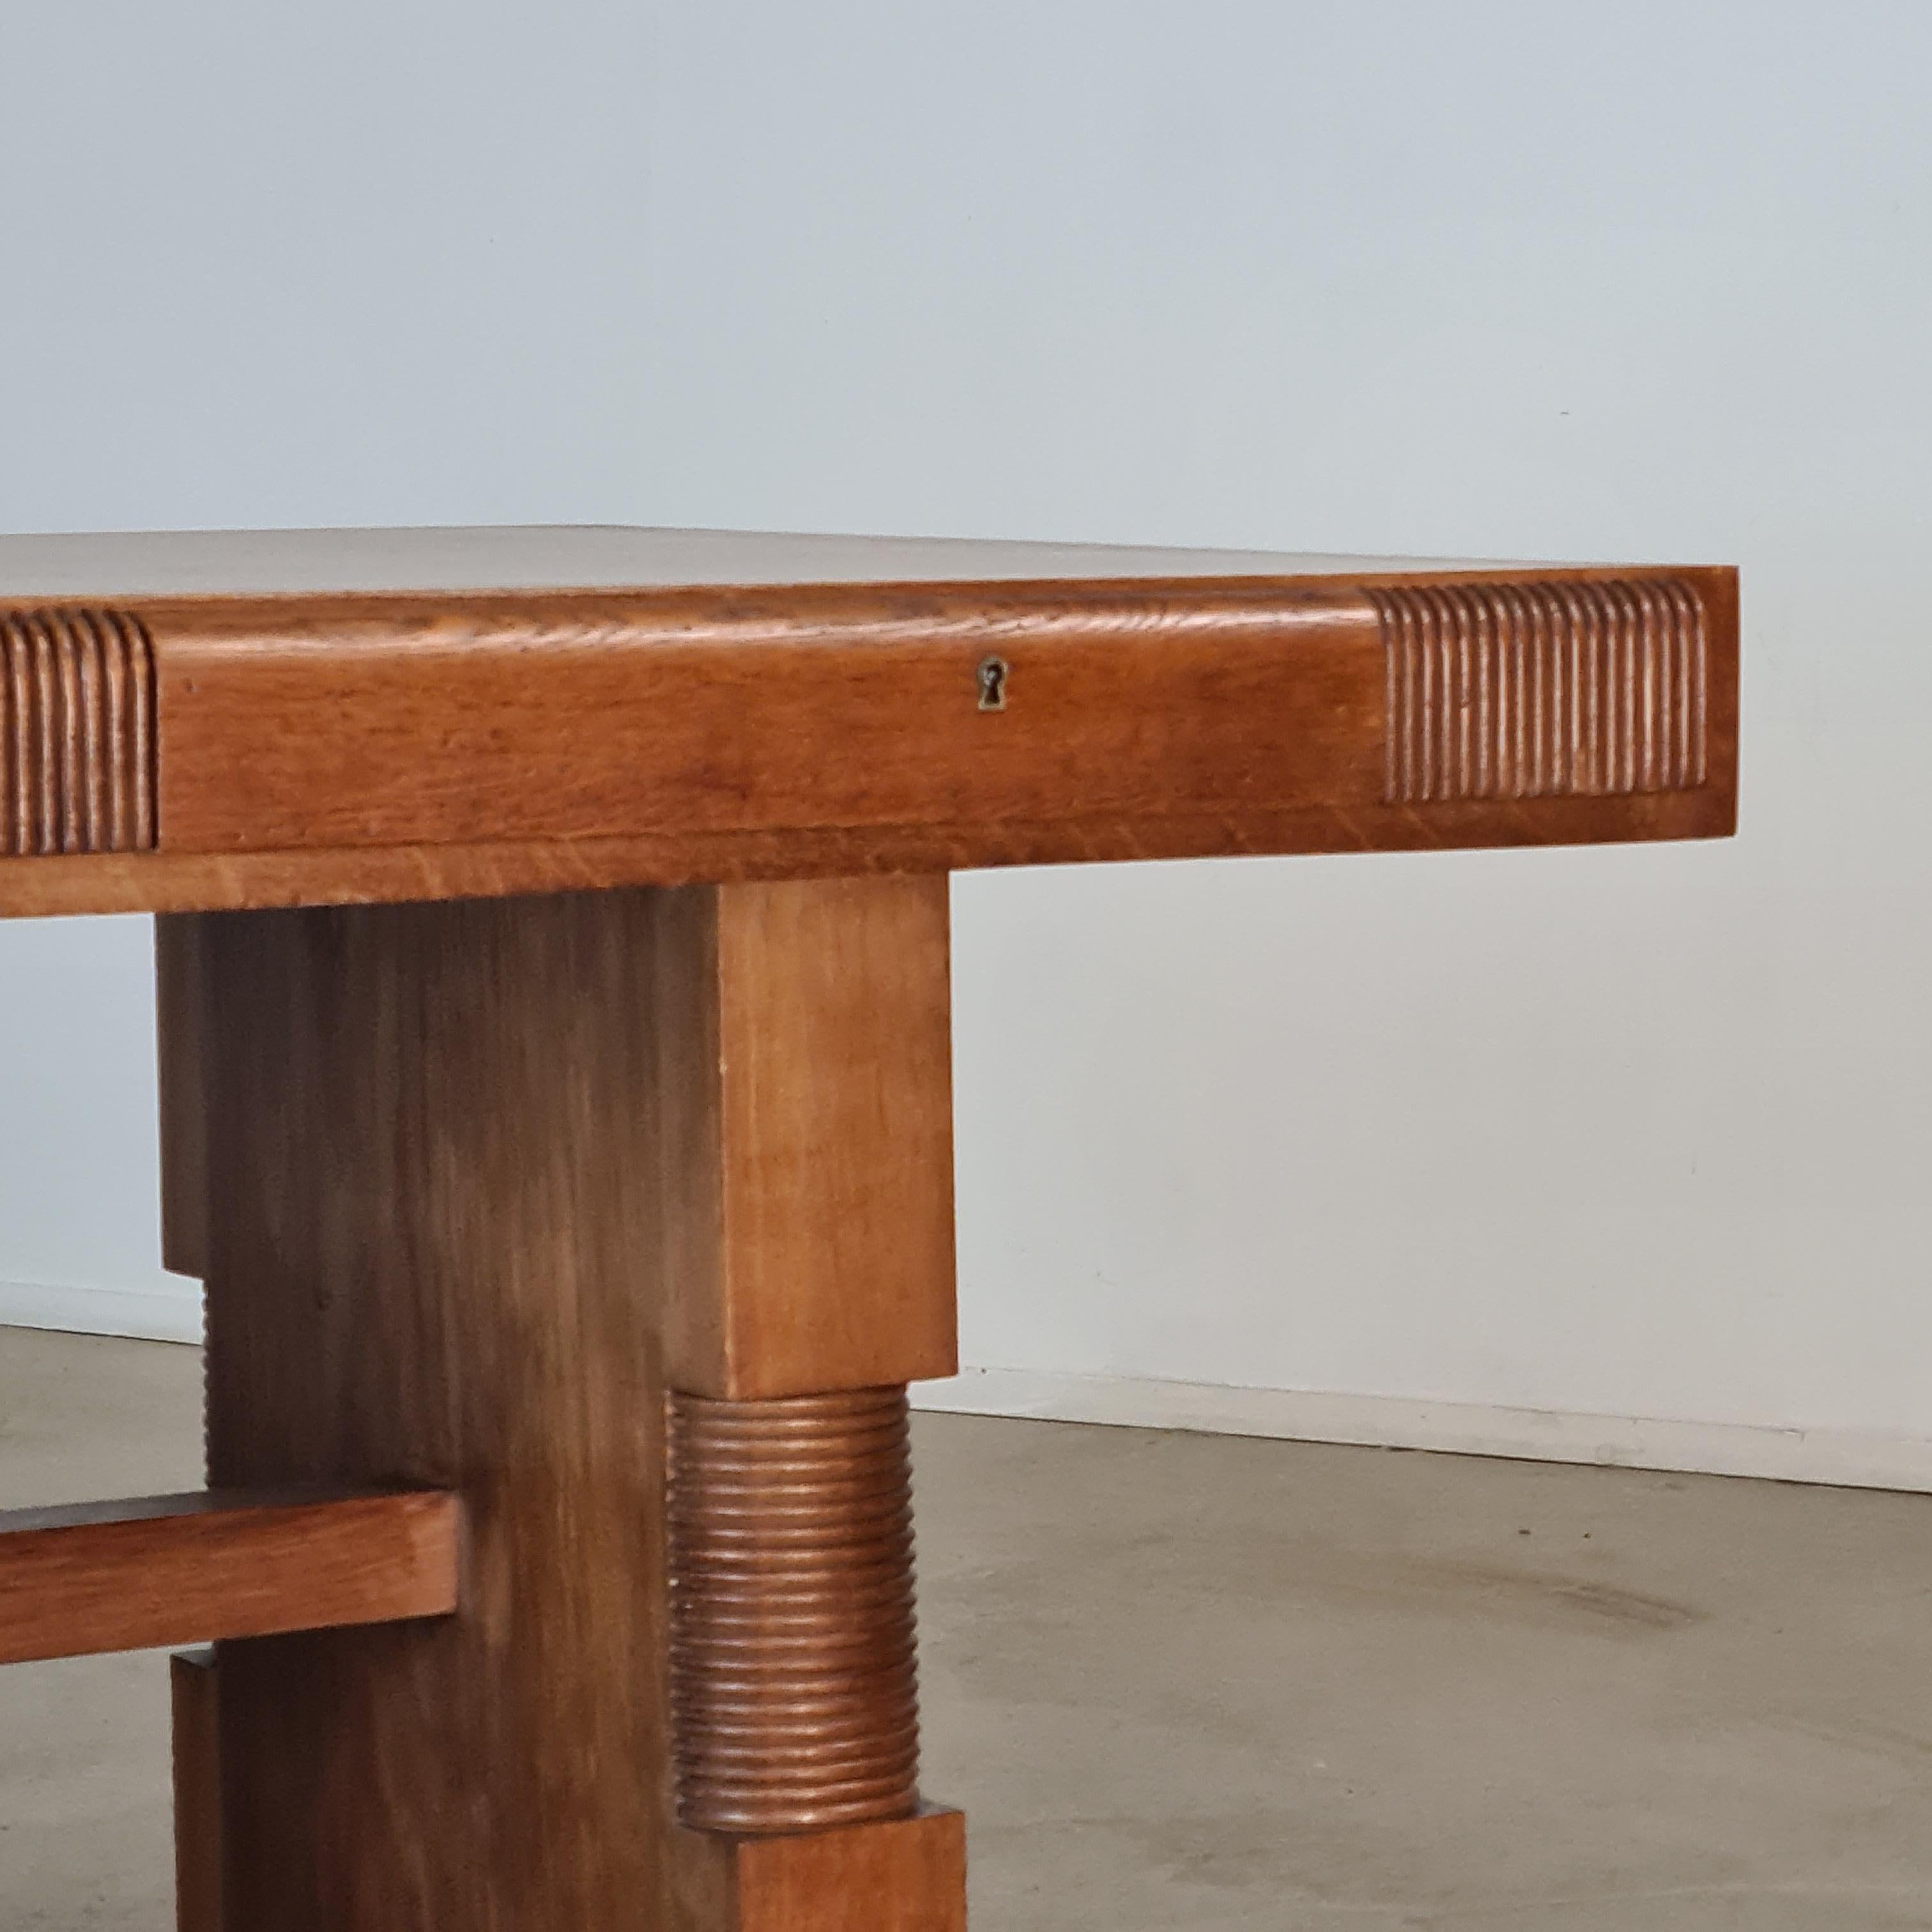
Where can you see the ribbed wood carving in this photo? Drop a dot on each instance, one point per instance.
(1539, 690)
(76, 732)
(793, 1668)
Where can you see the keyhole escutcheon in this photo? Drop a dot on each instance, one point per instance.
(992, 675)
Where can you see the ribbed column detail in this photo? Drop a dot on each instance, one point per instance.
(76, 733)
(793, 1666)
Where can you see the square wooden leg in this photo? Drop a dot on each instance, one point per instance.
(475, 1173)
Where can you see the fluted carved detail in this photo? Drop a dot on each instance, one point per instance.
(793, 1667)
(76, 732)
(1540, 690)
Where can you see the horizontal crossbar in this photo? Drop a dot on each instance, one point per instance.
(154, 1570)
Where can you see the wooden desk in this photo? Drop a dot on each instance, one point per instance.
(553, 993)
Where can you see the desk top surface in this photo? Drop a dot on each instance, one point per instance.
(259, 563)
(248, 719)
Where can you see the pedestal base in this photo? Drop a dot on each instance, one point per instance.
(479, 1182)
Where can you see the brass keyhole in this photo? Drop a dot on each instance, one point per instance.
(992, 675)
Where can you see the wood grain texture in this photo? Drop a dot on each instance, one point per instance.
(181, 1028)
(164, 1570)
(431, 1133)
(701, 713)
(346, 748)
(197, 1791)
(906, 1875)
(793, 1668)
(805, 1069)
(76, 731)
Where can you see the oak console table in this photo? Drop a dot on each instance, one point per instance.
(553, 987)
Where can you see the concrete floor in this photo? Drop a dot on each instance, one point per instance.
(1200, 1682)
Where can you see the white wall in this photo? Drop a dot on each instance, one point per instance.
(78, 1167)
(1633, 1133)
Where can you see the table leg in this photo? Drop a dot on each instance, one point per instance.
(197, 1780)
(491, 1185)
